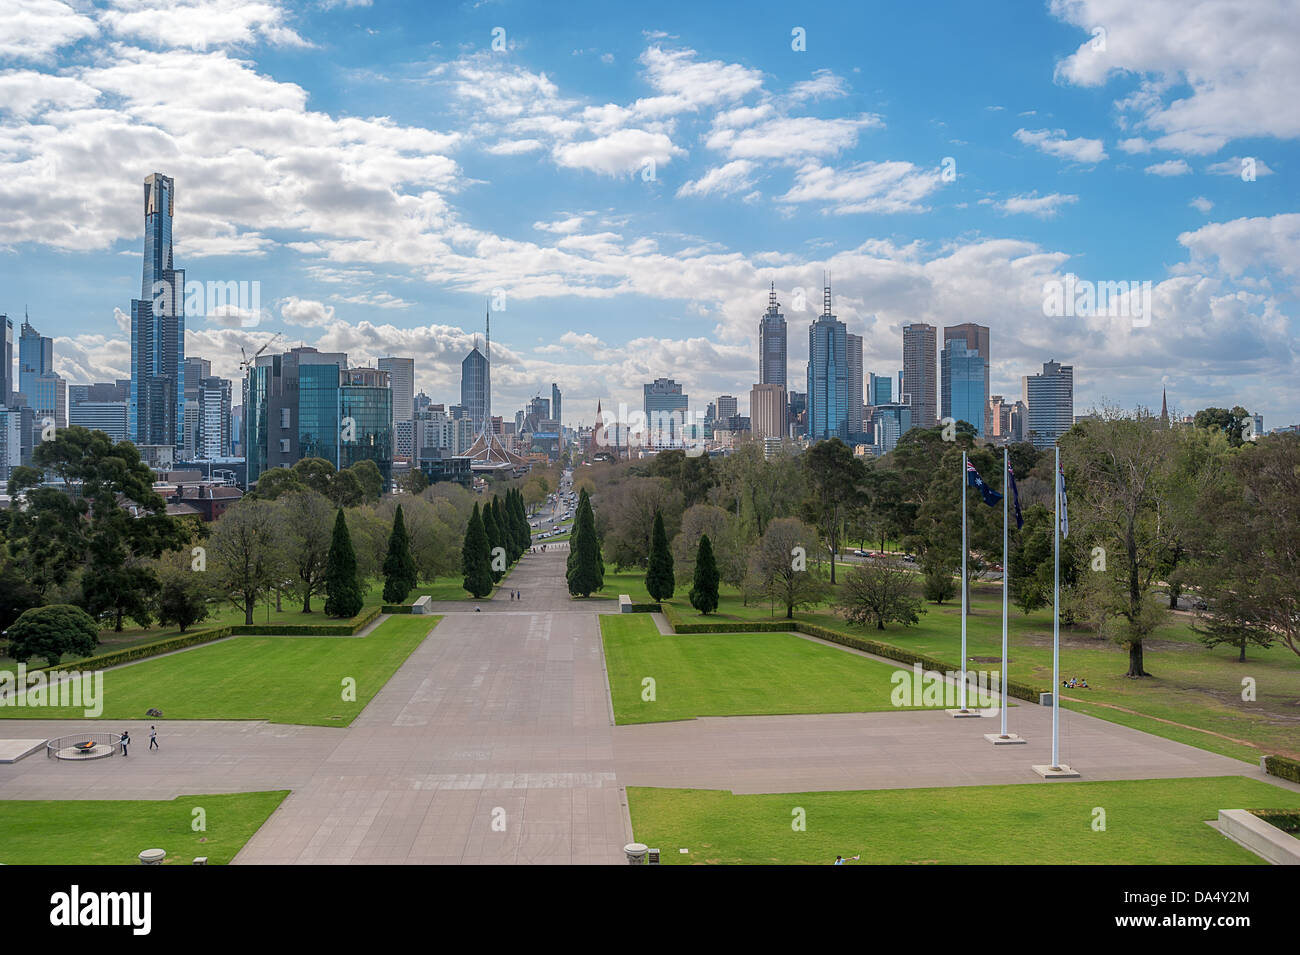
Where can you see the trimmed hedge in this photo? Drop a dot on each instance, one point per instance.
(141, 651)
(345, 629)
(397, 608)
(1017, 690)
(1288, 820)
(1282, 767)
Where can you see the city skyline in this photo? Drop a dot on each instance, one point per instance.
(521, 170)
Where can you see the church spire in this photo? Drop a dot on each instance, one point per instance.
(1164, 405)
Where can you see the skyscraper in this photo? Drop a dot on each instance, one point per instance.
(976, 338)
(962, 379)
(855, 384)
(665, 408)
(401, 372)
(474, 384)
(35, 358)
(555, 405)
(767, 410)
(771, 343)
(1049, 398)
(919, 385)
(156, 411)
(727, 407)
(880, 389)
(7, 374)
(828, 376)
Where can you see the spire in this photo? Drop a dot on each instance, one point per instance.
(1164, 404)
(771, 298)
(826, 297)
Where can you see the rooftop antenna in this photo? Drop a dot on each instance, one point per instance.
(771, 298)
(826, 298)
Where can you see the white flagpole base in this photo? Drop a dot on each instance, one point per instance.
(1056, 772)
(964, 714)
(998, 739)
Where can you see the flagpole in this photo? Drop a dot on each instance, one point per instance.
(1056, 616)
(963, 581)
(1006, 495)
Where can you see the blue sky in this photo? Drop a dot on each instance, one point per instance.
(625, 180)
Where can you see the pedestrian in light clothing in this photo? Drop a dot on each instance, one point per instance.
(153, 738)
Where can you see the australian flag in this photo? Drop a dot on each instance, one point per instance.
(991, 497)
(1015, 495)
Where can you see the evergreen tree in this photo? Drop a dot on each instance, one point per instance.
(523, 533)
(659, 580)
(509, 539)
(474, 557)
(400, 576)
(704, 592)
(342, 588)
(586, 571)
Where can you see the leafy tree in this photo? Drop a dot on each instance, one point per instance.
(316, 473)
(370, 478)
(244, 553)
(880, 592)
(342, 587)
(586, 570)
(303, 518)
(16, 594)
(704, 589)
(346, 490)
(1251, 550)
(50, 632)
(1235, 423)
(475, 560)
(692, 475)
(779, 570)
(399, 567)
(184, 593)
(834, 479)
(659, 581)
(45, 536)
(413, 482)
(937, 581)
(277, 481)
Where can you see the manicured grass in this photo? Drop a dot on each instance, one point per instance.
(281, 679)
(1148, 822)
(116, 831)
(734, 674)
(1193, 686)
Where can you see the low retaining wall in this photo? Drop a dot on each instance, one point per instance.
(1265, 840)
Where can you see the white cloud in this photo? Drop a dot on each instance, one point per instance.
(1054, 143)
(35, 29)
(199, 24)
(306, 312)
(791, 137)
(721, 180)
(876, 187)
(1238, 165)
(1044, 207)
(1201, 204)
(1170, 167)
(1208, 71)
(1243, 245)
(625, 151)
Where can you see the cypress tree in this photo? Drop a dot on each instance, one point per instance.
(523, 532)
(342, 588)
(509, 539)
(400, 576)
(474, 559)
(586, 571)
(704, 593)
(659, 580)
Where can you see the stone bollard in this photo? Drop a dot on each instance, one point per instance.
(153, 856)
(635, 853)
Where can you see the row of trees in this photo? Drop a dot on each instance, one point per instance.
(494, 539)
(1154, 511)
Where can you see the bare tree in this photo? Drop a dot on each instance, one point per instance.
(779, 568)
(244, 553)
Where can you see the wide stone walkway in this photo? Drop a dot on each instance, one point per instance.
(494, 743)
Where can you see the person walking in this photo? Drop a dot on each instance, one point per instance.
(125, 740)
(153, 738)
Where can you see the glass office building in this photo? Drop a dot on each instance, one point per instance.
(828, 376)
(962, 384)
(156, 409)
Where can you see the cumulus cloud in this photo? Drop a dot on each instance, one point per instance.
(1044, 207)
(1054, 143)
(1171, 167)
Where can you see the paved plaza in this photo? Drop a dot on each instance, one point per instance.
(495, 743)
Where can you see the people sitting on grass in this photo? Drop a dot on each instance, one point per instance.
(1074, 683)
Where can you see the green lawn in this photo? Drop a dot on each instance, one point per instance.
(281, 679)
(1148, 822)
(1193, 686)
(115, 832)
(734, 674)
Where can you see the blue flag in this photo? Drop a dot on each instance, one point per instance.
(1065, 511)
(1015, 495)
(991, 497)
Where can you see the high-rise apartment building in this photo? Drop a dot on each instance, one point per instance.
(401, 372)
(49, 399)
(666, 411)
(1049, 400)
(555, 405)
(828, 376)
(767, 411)
(156, 408)
(772, 343)
(919, 385)
(726, 407)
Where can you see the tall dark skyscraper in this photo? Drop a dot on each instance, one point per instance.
(771, 343)
(828, 376)
(555, 403)
(7, 377)
(156, 411)
(475, 388)
(920, 382)
(35, 358)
